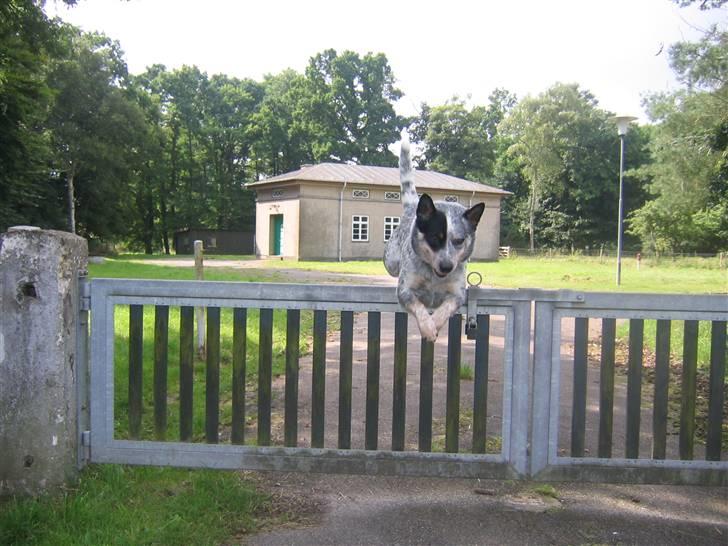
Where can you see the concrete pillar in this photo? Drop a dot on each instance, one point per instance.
(39, 310)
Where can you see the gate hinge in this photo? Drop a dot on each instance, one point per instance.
(84, 291)
(86, 446)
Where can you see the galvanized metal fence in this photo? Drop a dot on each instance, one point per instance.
(134, 423)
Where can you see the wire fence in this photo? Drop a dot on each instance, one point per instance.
(719, 258)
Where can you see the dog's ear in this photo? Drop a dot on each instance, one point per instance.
(425, 208)
(473, 214)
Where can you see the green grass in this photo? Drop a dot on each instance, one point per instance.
(124, 505)
(591, 274)
(466, 372)
(676, 339)
(685, 275)
(124, 268)
(546, 490)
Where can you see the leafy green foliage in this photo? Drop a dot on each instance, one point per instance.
(27, 193)
(351, 107)
(95, 129)
(566, 151)
(460, 141)
(688, 174)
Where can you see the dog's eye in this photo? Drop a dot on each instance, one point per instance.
(458, 242)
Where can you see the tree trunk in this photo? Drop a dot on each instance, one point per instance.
(531, 220)
(71, 200)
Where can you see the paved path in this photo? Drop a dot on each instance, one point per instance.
(362, 510)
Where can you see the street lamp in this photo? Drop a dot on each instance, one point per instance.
(622, 128)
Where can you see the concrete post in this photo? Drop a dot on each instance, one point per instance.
(39, 310)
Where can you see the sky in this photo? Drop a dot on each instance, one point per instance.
(616, 49)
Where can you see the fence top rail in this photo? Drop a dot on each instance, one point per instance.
(340, 296)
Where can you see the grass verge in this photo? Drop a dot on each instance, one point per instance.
(137, 505)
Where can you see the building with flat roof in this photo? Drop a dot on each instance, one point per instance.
(334, 211)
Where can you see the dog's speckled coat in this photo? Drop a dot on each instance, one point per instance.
(429, 251)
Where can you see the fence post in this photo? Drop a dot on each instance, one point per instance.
(39, 358)
(200, 311)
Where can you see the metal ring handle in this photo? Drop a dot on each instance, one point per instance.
(475, 283)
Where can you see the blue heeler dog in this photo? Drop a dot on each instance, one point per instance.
(429, 251)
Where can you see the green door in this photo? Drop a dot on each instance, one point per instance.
(277, 234)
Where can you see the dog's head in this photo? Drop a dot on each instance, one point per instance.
(444, 235)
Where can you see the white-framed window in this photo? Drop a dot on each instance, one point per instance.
(390, 222)
(276, 194)
(359, 228)
(391, 196)
(451, 198)
(360, 194)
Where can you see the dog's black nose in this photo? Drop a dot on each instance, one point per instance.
(446, 267)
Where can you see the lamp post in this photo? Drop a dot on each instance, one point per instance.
(622, 128)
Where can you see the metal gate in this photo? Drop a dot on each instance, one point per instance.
(133, 422)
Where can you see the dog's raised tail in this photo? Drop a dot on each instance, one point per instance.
(406, 174)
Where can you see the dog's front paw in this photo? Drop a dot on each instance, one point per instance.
(428, 330)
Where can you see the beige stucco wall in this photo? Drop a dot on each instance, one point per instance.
(319, 222)
(319, 228)
(289, 206)
(487, 236)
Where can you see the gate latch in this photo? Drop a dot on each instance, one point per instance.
(471, 323)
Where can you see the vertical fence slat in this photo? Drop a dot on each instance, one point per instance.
(452, 410)
(240, 333)
(265, 375)
(606, 387)
(578, 409)
(662, 378)
(136, 371)
(345, 365)
(427, 357)
(212, 376)
(687, 406)
(161, 337)
(186, 371)
(399, 394)
(318, 394)
(293, 335)
(634, 387)
(480, 384)
(371, 432)
(715, 393)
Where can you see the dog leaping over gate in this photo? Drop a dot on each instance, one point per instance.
(429, 251)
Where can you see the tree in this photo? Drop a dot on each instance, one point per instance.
(350, 108)
(461, 141)
(97, 131)
(532, 128)
(282, 136)
(688, 176)
(565, 149)
(27, 40)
